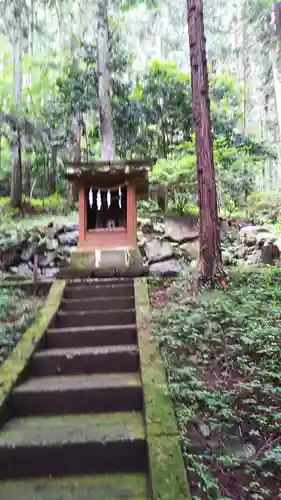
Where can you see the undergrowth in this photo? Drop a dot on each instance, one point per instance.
(17, 311)
(222, 352)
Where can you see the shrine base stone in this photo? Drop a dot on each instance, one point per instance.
(104, 264)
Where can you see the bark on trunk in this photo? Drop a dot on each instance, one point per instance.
(27, 178)
(106, 126)
(75, 153)
(16, 184)
(277, 9)
(53, 173)
(210, 265)
(277, 83)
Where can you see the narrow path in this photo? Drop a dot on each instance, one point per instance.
(75, 429)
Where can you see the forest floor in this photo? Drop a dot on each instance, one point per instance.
(222, 352)
(17, 311)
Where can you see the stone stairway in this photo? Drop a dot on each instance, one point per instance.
(75, 429)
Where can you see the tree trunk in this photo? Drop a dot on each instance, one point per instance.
(27, 178)
(277, 83)
(106, 126)
(53, 173)
(210, 265)
(16, 184)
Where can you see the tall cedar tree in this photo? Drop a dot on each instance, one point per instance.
(210, 265)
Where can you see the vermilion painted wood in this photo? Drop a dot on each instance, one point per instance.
(104, 239)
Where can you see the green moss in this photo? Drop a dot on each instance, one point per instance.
(14, 365)
(73, 429)
(157, 397)
(167, 471)
(82, 260)
(105, 487)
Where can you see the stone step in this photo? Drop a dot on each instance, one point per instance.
(90, 336)
(100, 487)
(94, 318)
(78, 394)
(72, 444)
(71, 361)
(102, 303)
(99, 290)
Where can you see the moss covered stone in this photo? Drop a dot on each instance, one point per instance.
(167, 470)
(16, 362)
(106, 487)
(62, 429)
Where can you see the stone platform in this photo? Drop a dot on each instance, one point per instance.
(120, 262)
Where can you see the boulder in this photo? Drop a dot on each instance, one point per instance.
(66, 228)
(24, 270)
(242, 251)
(48, 260)
(10, 257)
(50, 272)
(68, 239)
(167, 268)
(52, 244)
(158, 250)
(30, 251)
(278, 243)
(181, 229)
(254, 257)
(227, 257)
(251, 234)
(270, 253)
(189, 250)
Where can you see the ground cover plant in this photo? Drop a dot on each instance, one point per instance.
(17, 311)
(222, 351)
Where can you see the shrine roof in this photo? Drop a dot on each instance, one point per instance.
(100, 167)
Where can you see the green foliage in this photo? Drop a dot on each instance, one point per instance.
(264, 205)
(236, 167)
(222, 352)
(16, 313)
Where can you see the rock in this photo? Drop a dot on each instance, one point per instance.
(69, 238)
(50, 272)
(264, 236)
(30, 251)
(249, 234)
(158, 250)
(66, 228)
(10, 257)
(269, 253)
(181, 229)
(24, 270)
(204, 429)
(190, 250)
(145, 225)
(278, 243)
(48, 259)
(167, 268)
(227, 257)
(52, 244)
(242, 251)
(255, 257)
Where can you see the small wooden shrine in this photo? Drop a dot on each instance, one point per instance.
(108, 195)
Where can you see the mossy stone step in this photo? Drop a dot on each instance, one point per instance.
(105, 487)
(78, 394)
(95, 318)
(88, 336)
(68, 444)
(85, 360)
(98, 289)
(34, 431)
(97, 303)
